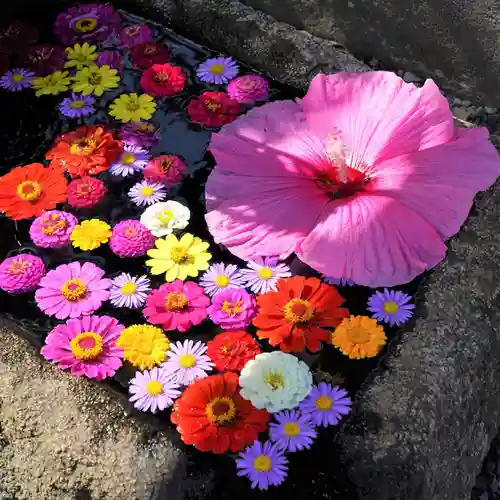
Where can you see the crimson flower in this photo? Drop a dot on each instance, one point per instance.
(163, 80)
(213, 109)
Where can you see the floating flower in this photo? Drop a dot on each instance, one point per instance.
(248, 89)
(153, 390)
(52, 84)
(80, 56)
(275, 381)
(293, 431)
(167, 169)
(220, 276)
(265, 464)
(16, 79)
(136, 34)
(77, 106)
(144, 346)
(147, 193)
(133, 159)
(147, 54)
(4, 63)
(16, 36)
(142, 134)
(163, 80)
(217, 70)
(359, 337)
(213, 109)
(129, 291)
(95, 80)
(165, 217)
(86, 346)
(72, 290)
(131, 239)
(88, 150)
(52, 229)
(338, 281)
(86, 192)
(90, 234)
(21, 273)
(215, 405)
(326, 405)
(231, 351)
(177, 306)
(87, 22)
(391, 306)
(232, 309)
(31, 190)
(179, 259)
(111, 58)
(132, 107)
(263, 274)
(295, 316)
(44, 59)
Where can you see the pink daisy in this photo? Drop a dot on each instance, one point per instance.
(177, 306)
(86, 346)
(364, 178)
(72, 290)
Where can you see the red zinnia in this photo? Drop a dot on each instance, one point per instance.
(86, 192)
(88, 150)
(294, 316)
(213, 109)
(145, 55)
(163, 80)
(212, 416)
(232, 350)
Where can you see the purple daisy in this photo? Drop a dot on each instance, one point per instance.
(264, 273)
(219, 277)
(217, 70)
(293, 432)
(391, 306)
(147, 193)
(142, 134)
(17, 79)
(265, 464)
(326, 404)
(136, 34)
(153, 390)
(111, 58)
(338, 281)
(77, 106)
(187, 361)
(132, 160)
(129, 291)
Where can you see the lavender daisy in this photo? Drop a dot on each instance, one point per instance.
(132, 160)
(326, 404)
(220, 277)
(187, 361)
(17, 79)
(293, 432)
(147, 193)
(264, 273)
(265, 464)
(217, 70)
(391, 306)
(129, 291)
(77, 106)
(153, 390)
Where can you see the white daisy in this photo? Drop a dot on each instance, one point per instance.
(163, 218)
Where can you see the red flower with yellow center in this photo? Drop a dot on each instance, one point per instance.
(163, 80)
(232, 350)
(213, 109)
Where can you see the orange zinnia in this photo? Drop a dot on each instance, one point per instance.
(295, 315)
(30, 190)
(87, 150)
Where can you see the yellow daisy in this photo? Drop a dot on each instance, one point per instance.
(80, 56)
(179, 259)
(133, 107)
(90, 234)
(52, 84)
(95, 80)
(144, 346)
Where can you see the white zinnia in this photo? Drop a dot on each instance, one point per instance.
(164, 217)
(275, 381)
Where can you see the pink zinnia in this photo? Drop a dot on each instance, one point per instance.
(232, 309)
(169, 170)
(53, 229)
(363, 179)
(177, 306)
(21, 273)
(86, 346)
(72, 290)
(248, 89)
(130, 238)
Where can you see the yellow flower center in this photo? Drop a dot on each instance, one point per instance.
(166, 216)
(221, 410)
(291, 429)
(128, 158)
(19, 266)
(86, 346)
(146, 127)
(217, 69)
(74, 289)
(84, 146)
(262, 463)
(232, 308)
(187, 360)
(298, 311)
(29, 190)
(53, 224)
(274, 380)
(222, 281)
(147, 191)
(265, 273)
(390, 307)
(129, 288)
(211, 105)
(359, 335)
(86, 25)
(150, 50)
(324, 403)
(154, 388)
(175, 301)
(166, 164)
(179, 254)
(17, 78)
(95, 78)
(77, 104)
(133, 105)
(225, 350)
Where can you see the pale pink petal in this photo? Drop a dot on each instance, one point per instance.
(74, 327)
(74, 268)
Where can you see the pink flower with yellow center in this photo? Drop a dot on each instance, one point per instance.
(53, 229)
(21, 273)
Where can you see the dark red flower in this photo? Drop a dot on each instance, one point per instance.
(163, 80)
(16, 36)
(86, 192)
(213, 109)
(44, 59)
(147, 54)
(231, 351)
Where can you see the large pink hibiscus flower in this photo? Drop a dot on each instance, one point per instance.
(363, 179)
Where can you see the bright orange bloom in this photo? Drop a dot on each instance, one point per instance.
(30, 190)
(87, 150)
(295, 315)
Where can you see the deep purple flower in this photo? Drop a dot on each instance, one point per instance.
(219, 277)
(293, 430)
(142, 134)
(217, 70)
(44, 59)
(111, 58)
(263, 274)
(136, 34)
(77, 106)
(391, 306)
(232, 309)
(17, 79)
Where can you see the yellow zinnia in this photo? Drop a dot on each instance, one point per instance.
(133, 108)
(179, 259)
(51, 84)
(359, 337)
(143, 345)
(80, 56)
(95, 79)
(90, 234)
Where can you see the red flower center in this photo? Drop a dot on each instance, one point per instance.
(330, 183)
(298, 311)
(161, 78)
(221, 410)
(212, 105)
(150, 50)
